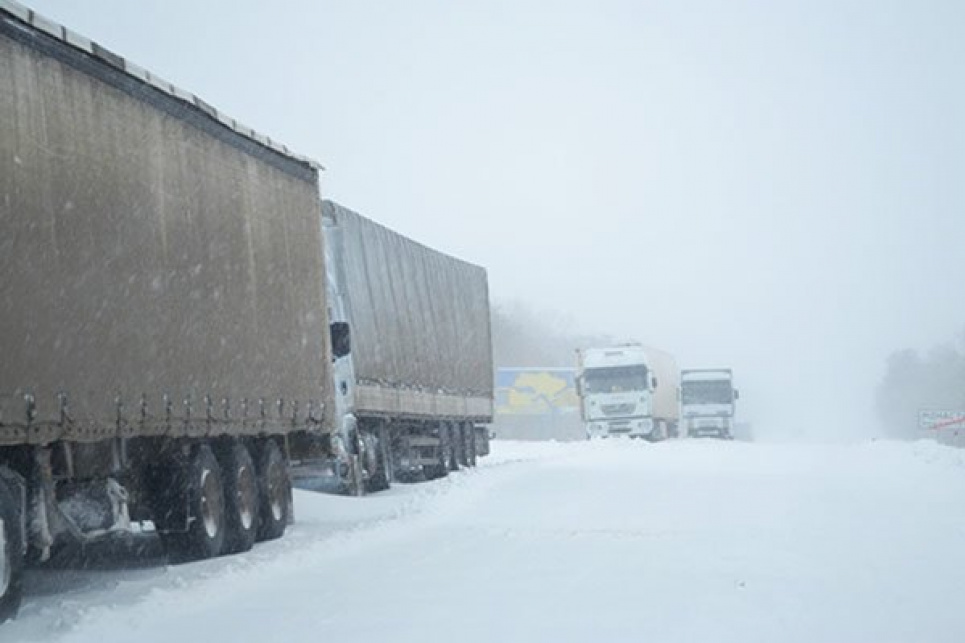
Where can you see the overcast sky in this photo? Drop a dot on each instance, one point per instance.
(775, 186)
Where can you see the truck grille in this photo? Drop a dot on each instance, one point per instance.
(617, 409)
(618, 426)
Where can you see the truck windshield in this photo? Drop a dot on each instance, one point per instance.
(709, 392)
(615, 379)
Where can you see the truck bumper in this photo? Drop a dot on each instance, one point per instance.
(708, 427)
(631, 427)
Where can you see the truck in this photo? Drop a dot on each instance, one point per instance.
(707, 402)
(628, 390)
(170, 345)
(414, 393)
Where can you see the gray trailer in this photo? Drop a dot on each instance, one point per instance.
(164, 338)
(417, 384)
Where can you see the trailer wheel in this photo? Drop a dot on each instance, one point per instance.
(453, 451)
(274, 491)
(471, 443)
(11, 555)
(203, 489)
(385, 442)
(441, 468)
(480, 447)
(241, 498)
(462, 444)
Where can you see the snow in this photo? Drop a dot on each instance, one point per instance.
(605, 541)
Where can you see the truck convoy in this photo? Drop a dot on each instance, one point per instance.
(628, 390)
(707, 400)
(171, 341)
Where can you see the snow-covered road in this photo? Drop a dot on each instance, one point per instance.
(610, 541)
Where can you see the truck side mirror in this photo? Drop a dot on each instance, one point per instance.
(341, 339)
(737, 394)
(653, 382)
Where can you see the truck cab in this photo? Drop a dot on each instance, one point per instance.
(707, 402)
(616, 389)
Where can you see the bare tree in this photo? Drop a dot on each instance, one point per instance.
(525, 336)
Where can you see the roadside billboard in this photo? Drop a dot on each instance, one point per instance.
(533, 391)
(537, 403)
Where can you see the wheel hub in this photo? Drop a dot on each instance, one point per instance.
(246, 497)
(276, 492)
(211, 503)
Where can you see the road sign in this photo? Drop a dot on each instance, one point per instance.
(938, 419)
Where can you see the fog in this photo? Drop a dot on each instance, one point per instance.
(774, 187)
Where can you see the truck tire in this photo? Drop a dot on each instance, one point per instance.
(274, 491)
(11, 555)
(453, 452)
(482, 438)
(659, 433)
(354, 481)
(463, 433)
(203, 489)
(471, 444)
(441, 469)
(241, 504)
(380, 480)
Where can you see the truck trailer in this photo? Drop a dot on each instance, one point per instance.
(415, 389)
(628, 390)
(170, 345)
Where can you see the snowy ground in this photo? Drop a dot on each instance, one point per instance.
(683, 541)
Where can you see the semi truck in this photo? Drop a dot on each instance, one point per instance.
(415, 389)
(628, 390)
(707, 402)
(171, 343)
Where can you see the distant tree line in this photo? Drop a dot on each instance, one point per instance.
(525, 336)
(915, 381)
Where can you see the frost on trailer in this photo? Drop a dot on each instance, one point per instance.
(162, 321)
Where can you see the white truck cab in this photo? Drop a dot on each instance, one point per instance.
(707, 402)
(616, 387)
